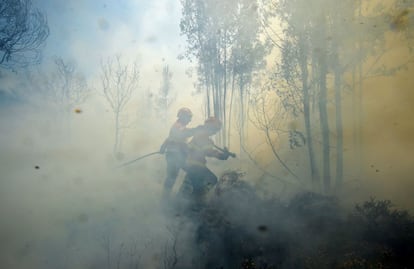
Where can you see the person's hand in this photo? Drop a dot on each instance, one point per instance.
(224, 155)
(226, 150)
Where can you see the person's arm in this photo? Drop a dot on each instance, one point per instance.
(212, 152)
(188, 132)
(184, 132)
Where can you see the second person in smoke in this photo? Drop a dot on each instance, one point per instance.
(175, 147)
(199, 178)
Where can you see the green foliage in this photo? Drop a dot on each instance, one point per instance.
(224, 38)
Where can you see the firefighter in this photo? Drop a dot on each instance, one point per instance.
(199, 178)
(175, 147)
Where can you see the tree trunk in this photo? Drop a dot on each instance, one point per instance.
(116, 142)
(241, 91)
(323, 111)
(225, 131)
(307, 113)
(339, 128)
(231, 108)
(360, 115)
(323, 114)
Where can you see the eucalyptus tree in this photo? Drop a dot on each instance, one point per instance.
(208, 32)
(223, 36)
(247, 58)
(306, 62)
(320, 39)
(342, 40)
(23, 31)
(323, 43)
(303, 68)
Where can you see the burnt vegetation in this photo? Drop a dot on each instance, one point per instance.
(239, 229)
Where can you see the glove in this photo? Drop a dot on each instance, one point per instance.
(224, 155)
(226, 150)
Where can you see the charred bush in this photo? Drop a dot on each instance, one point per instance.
(239, 229)
(387, 233)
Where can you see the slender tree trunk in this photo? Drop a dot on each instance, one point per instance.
(360, 101)
(339, 129)
(323, 114)
(207, 85)
(323, 111)
(354, 115)
(225, 131)
(116, 142)
(307, 114)
(231, 108)
(241, 117)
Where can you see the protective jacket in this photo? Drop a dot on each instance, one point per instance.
(200, 147)
(175, 149)
(177, 138)
(199, 178)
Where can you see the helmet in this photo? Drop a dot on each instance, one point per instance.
(184, 112)
(212, 123)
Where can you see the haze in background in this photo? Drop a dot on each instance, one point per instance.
(65, 203)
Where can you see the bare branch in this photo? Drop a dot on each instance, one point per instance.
(119, 81)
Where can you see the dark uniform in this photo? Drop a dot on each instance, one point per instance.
(175, 148)
(199, 178)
